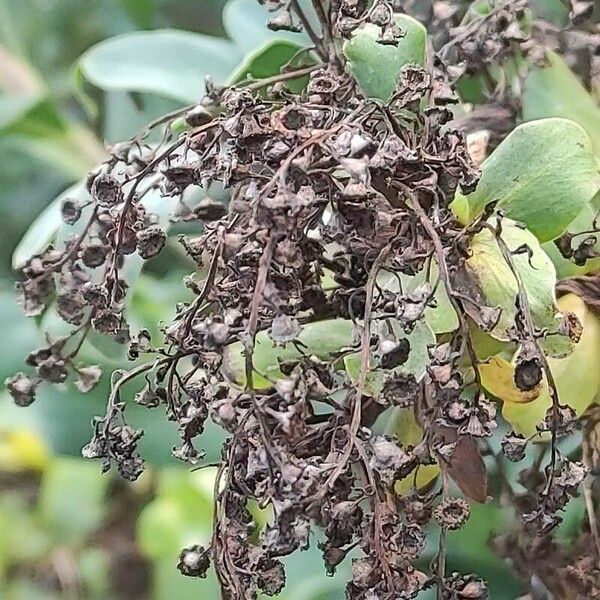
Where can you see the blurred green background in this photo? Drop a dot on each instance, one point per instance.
(66, 531)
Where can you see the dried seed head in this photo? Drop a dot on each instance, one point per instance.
(22, 389)
(284, 329)
(150, 241)
(194, 561)
(106, 190)
(53, 369)
(87, 378)
(514, 446)
(70, 210)
(94, 255)
(452, 513)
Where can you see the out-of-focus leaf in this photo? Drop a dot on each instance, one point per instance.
(143, 11)
(376, 66)
(542, 174)
(491, 283)
(71, 501)
(245, 20)
(555, 91)
(33, 123)
(44, 229)
(21, 331)
(29, 115)
(166, 62)
(168, 583)
(471, 550)
(22, 450)
(180, 515)
(22, 539)
(94, 570)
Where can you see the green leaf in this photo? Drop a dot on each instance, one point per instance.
(71, 502)
(45, 227)
(551, 10)
(442, 318)
(166, 62)
(555, 91)
(266, 61)
(542, 174)
(419, 339)
(491, 283)
(376, 67)
(323, 339)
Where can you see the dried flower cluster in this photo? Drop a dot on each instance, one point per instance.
(335, 202)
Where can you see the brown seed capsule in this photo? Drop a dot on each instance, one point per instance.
(22, 389)
(452, 513)
(150, 241)
(94, 255)
(106, 190)
(194, 561)
(70, 210)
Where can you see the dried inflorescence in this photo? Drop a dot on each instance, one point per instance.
(331, 197)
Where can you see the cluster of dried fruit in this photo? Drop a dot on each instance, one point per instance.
(342, 317)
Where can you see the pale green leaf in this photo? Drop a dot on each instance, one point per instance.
(419, 339)
(442, 317)
(376, 67)
(71, 502)
(555, 91)
(542, 174)
(323, 339)
(167, 62)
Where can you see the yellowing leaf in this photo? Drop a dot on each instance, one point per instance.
(22, 450)
(577, 376)
(497, 376)
(404, 427)
(491, 282)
